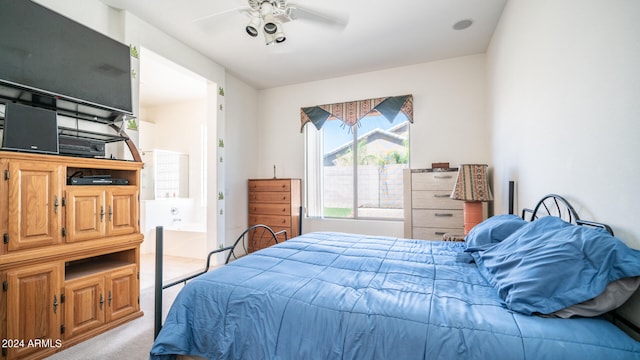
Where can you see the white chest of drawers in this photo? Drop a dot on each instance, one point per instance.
(429, 212)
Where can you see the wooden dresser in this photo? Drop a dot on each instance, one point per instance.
(275, 203)
(429, 212)
(70, 256)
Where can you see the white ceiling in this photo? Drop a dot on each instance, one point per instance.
(164, 82)
(379, 35)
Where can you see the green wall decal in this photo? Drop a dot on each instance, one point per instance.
(134, 51)
(132, 124)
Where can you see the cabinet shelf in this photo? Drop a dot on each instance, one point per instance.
(82, 270)
(80, 171)
(98, 264)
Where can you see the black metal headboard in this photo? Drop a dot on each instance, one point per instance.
(556, 205)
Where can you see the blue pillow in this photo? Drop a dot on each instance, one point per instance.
(548, 265)
(492, 231)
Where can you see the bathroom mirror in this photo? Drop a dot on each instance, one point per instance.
(165, 175)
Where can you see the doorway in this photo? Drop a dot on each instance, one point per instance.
(172, 121)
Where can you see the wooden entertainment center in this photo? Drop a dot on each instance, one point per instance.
(70, 255)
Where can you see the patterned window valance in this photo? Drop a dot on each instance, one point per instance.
(350, 113)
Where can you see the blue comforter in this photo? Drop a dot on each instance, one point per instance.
(345, 296)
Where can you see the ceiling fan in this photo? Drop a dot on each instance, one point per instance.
(269, 15)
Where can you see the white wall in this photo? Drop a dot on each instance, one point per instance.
(241, 149)
(449, 121)
(178, 129)
(564, 105)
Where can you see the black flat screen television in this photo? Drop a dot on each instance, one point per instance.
(46, 53)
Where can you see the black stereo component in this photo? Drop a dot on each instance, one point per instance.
(75, 146)
(96, 181)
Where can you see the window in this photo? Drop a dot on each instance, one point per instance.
(172, 174)
(356, 172)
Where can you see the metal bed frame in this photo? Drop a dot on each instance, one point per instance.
(249, 236)
(556, 205)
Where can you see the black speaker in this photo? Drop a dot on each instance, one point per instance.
(30, 129)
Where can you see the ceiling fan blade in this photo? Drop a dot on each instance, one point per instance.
(305, 13)
(241, 9)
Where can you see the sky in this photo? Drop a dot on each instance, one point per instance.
(337, 134)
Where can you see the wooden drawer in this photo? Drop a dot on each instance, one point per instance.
(428, 233)
(272, 221)
(434, 199)
(436, 180)
(270, 196)
(269, 209)
(437, 218)
(270, 185)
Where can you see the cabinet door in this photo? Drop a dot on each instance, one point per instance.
(122, 292)
(122, 210)
(34, 204)
(86, 213)
(85, 303)
(33, 305)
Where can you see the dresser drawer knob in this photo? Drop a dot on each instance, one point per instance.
(442, 176)
(441, 195)
(444, 215)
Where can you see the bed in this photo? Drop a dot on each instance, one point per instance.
(330, 295)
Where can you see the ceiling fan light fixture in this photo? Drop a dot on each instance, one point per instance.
(269, 38)
(253, 32)
(270, 25)
(266, 11)
(280, 37)
(254, 25)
